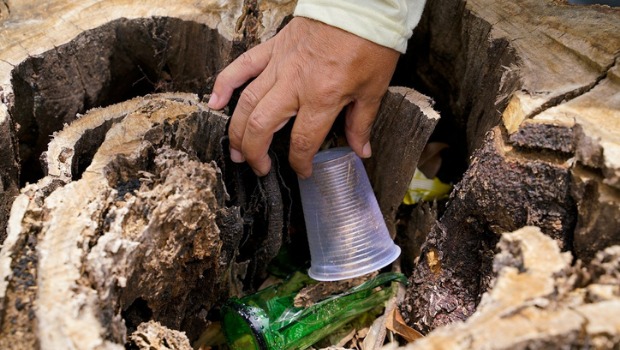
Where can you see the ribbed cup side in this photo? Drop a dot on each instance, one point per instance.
(346, 231)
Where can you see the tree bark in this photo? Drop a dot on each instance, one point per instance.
(135, 213)
(61, 58)
(143, 233)
(540, 301)
(404, 124)
(9, 171)
(537, 93)
(103, 240)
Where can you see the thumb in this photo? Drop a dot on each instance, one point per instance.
(249, 65)
(360, 117)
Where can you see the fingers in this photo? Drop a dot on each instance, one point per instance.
(249, 65)
(249, 99)
(270, 115)
(308, 134)
(359, 119)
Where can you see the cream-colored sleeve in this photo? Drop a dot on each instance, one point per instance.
(385, 22)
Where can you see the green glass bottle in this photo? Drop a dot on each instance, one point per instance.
(268, 320)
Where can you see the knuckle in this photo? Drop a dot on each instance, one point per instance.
(359, 131)
(255, 125)
(245, 59)
(361, 123)
(330, 88)
(236, 135)
(327, 95)
(301, 143)
(249, 97)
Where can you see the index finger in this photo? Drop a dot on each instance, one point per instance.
(270, 115)
(249, 65)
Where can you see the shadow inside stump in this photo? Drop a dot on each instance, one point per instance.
(106, 65)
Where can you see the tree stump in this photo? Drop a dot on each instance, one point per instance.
(144, 231)
(540, 301)
(61, 58)
(151, 194)
(134, 219)
(134, 214)
(535, 88)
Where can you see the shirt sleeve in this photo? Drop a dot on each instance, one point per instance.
(385, 22)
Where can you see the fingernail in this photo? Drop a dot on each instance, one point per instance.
(213, 100)
(236, 156)
(366, 151)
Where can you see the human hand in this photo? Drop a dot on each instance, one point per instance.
(311, 70)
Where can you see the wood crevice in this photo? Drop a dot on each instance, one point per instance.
(577, 92)
(474, 57)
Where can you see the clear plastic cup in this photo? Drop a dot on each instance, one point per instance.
(346, 231)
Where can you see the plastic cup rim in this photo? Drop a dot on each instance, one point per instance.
(340, 152)
(364, 269)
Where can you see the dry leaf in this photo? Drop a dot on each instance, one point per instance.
(396, 324)
(376, 334)
(346, 338)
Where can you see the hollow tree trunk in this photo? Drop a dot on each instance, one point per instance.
(132, 224)
(540, 301)
(134, 212)
(133, 221)
(119, 50)
(143, 233)
(536, 87)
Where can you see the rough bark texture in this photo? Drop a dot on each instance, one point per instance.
(500, 192)
(143, 233)
(403, 126)
(61, 58)
(598, 212)
(540, 301)
(135, 213)
(537, 93)
(9, 172)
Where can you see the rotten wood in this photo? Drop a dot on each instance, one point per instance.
(532, 85)
(537, 95)
(135, 212)
(61, 58)
(153, 336)
(404, 124)
(142, 233)
(539, 300)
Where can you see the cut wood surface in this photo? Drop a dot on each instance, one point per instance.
(404, 124)
(536, 87)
